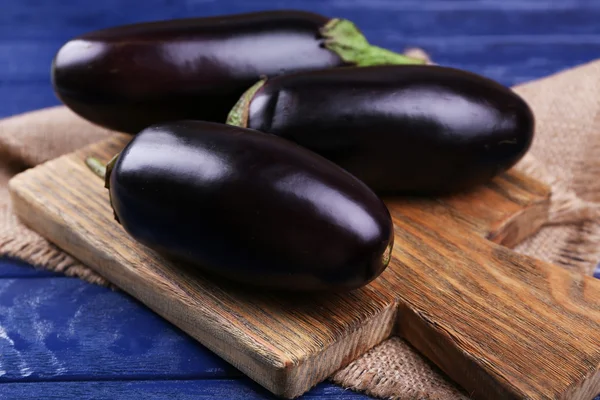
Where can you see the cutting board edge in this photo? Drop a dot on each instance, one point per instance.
(286, 375)
(377, 329)
(521, 226)
(21, 201)
(279, 374)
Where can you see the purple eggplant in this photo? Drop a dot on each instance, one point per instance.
(129, 77)
(417, 129)
(250, 207)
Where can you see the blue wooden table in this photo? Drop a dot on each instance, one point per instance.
(63, 338)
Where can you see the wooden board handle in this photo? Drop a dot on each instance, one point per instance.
(502, 325)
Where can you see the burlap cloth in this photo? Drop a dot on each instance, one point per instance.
(565, 154)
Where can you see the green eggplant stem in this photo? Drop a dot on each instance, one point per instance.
(109, 167)
(345, 39)
(238, 116)
(101, 170)
(96, 166)
(104, 171)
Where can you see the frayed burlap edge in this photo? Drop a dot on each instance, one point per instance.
(581, 249)
(42, 254)
(400, 373)
(565, 207)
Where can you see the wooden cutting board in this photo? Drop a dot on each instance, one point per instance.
(501, 325)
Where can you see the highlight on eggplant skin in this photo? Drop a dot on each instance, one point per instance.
(400, 129)
(250, 207)
(129, 77)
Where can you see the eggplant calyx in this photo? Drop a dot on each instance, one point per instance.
(387, 254)
(109, 167)
(238, 116)
(104, 172)
(345, 39)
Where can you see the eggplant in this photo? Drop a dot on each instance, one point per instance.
(250, 207)
(129, 77)
(410, 129)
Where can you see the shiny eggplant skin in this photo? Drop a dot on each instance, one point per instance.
(400, 129)
(250, 207)
(130, 77)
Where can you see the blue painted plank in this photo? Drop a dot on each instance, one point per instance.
(511, 42)
(242, 389)
(436, 6)
(432, 18)
(16, 98)
(597, 272)
(475, 30)
(58, 329)
(512, 63)
(65, 329)
(27, 61)
(509, 57)
(13, 268)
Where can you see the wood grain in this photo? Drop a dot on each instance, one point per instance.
(271, 338)
(498, 323)
(511, 41)
(503, 325)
